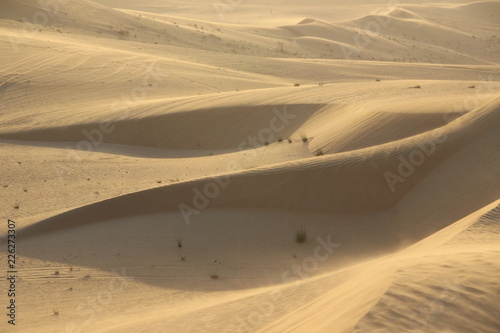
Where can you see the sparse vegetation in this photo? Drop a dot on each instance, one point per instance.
(56, 313)
(214, 275)
(416, 87)
(16, 206)
(56, 273)
(266, 143)
(280, 139)
(301, 235)
(183, 258)
(289, 140)
(179, 242)
(319, 152)
(124, 33)
(472, 87)
(282, 48)
(296, 84)
(304, 138)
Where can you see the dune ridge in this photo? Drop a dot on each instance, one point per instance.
(318, 176)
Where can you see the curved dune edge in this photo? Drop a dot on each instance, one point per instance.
(394, 27)
(329, 184)
(243, 128)
(332, 123)
(231, 128)
(443, 279)
(456, 269)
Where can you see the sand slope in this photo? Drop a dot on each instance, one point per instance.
(159, 157)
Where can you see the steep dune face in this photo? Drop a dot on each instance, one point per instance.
(436, 291)
(428, 290)
(356, 182)
(232, 127)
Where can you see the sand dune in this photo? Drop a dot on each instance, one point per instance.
(159, 158)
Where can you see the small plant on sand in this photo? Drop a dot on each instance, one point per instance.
(304, 138)
(56, 313)
(280, 139)
(296, 84)
(16, 206)
(319, 153)
(266, 143)
(214, 275)
(124, 33)
(281, 45)
(183, 258)
(301, 235)
(179, 242)
(289, 140)
(415, 87)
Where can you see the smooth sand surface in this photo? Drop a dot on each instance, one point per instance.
(159, 157)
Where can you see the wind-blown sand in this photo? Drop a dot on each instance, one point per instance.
(158, 158)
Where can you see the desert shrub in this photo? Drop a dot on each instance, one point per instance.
(301, 235)
(124, 32)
